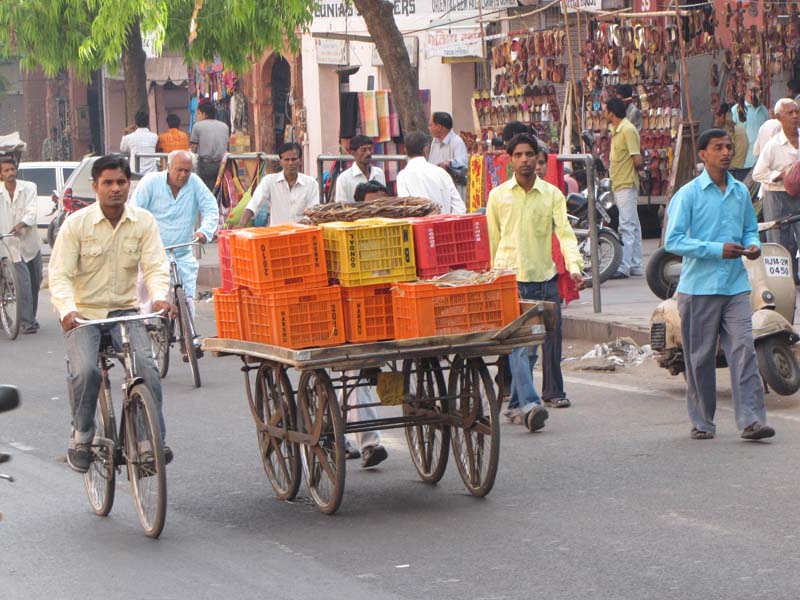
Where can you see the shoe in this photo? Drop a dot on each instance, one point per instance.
(29, 330)
(757, 431)
(535, 419)
(80, 457)
(619, 275)
(373, 455)
(197, 342)
(168, 455)
(349, 451)
(637, 273)
(558, 403)
(514, 416)
(697, 434)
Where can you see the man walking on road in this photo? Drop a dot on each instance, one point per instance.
(287, 194)
(18, 216)
(209, 141)
(176, 198)
(421, 179)
(626, 157)
(522, 214)
(712, 225)
(780, 153)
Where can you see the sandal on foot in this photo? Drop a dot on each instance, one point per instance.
(697, 434)
(350, 452)
(757, 431)
(534, 420)
(558, 403)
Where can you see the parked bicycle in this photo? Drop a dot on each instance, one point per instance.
(179, 330)
(10, 310)
(138, 443)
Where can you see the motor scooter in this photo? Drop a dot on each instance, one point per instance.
(772, 299)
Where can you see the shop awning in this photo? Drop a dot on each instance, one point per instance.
(166, 68)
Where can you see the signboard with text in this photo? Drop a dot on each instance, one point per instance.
(589, 5)
(332, 52)
(412, 47)
(452, 43)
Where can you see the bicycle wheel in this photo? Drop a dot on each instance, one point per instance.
(160, 337)
(10, 310)
(100, 478)
(323, 456)
(187, 333)
(275, 406)
(476, 440)
(144, 453)
(429, 444)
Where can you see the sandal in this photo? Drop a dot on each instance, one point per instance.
(696, 434)
(349, 451)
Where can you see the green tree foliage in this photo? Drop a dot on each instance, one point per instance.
(89, 34)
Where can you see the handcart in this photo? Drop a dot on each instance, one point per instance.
(303, 429)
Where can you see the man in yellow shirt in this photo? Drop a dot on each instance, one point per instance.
(626, 157)
(93, 271)
(522, 214)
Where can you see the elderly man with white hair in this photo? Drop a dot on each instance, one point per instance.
(176, 198)
(780, 153)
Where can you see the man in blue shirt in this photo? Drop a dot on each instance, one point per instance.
(711, 224)
(176, 197)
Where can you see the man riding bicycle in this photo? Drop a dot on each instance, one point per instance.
(176, 198)
(92, 273)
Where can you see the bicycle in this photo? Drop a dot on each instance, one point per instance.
(10, 310)
(137, 444)
(179, 330)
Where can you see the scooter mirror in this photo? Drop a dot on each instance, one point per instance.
(9, 398)
(588, 139)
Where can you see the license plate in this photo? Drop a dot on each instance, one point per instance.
(777, 266)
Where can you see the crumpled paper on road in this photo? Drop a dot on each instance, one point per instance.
(622, 352)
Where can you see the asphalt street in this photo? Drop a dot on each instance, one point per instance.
(612, 500)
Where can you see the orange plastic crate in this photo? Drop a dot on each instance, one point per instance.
(445, 243)
(424, 309)
(225, 266)
(295, 318)
(368, 313)
(288, 256)
(228, 313)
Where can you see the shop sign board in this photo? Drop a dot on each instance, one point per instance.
(448, 43)
(588, 5)
(412, 47)
(333, 15)
(332, 52)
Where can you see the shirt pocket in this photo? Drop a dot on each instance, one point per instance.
(91, 258)
(130, 254)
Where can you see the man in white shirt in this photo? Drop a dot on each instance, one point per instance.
(18, 216)
(362, 170)
(780, 153)
(448, 150)
(287, 194)
(140, 140)
(765, 134)
(425, 180)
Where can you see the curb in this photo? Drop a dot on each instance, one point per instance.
(598, 331)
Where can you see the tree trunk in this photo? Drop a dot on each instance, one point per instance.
(403, 79)
(133, 58)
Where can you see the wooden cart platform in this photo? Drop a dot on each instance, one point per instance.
(304, 428)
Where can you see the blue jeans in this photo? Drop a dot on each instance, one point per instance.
(630, 230)
(522, 360)
(83, 374)
(29, 279)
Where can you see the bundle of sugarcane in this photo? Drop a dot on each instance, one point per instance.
(390, 208)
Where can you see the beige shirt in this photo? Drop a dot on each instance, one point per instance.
(20, 209)
(93, 267)
(775, 158)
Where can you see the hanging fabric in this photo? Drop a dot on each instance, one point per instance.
(382, 104)
(475, 182)
(368, 112)
(394, 118)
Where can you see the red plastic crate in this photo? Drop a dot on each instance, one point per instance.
(424, 309)
(288, 256)
(445, 243)
(228, 313)
(225, 264)
(368, 313)
(295, 318)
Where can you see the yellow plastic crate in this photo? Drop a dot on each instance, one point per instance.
(369, 251)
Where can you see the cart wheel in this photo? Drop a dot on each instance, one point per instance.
(476, 441)
(275, 406)
(323, 457)
(429, 444)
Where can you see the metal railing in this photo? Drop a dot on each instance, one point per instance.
(161, 156)
(323, 158)
(594, 250)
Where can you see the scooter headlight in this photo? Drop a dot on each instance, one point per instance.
(607, 200)
(605, 183)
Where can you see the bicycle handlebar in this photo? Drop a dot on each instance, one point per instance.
(114, 320)
(194, 242)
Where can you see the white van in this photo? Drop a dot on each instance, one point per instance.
(49, 178)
